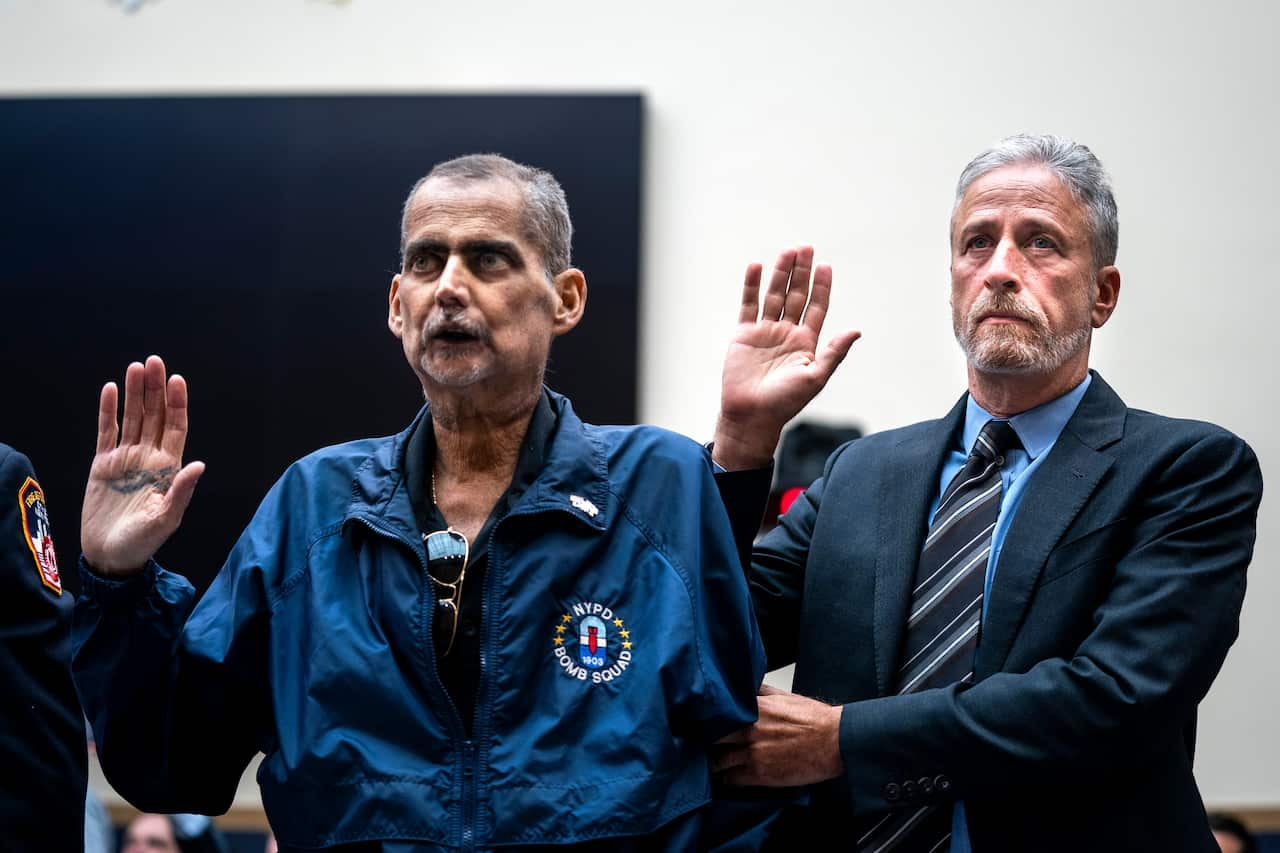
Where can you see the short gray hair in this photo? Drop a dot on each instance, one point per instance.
(546, 211)
(1075, 166)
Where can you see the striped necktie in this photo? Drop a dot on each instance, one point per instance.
(946, 615)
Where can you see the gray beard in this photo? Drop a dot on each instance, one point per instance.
(1013, 350)
(1005, 353)
(451, 379)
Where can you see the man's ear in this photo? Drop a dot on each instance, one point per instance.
(394, 321)
(570, 289)
(1104, 304)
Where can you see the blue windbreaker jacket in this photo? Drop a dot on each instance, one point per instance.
(618, 643)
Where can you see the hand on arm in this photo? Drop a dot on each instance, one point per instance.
(774, 367)
(138, 488)
(795, 741)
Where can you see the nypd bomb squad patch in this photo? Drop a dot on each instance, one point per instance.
(35, 526)
(592, 643)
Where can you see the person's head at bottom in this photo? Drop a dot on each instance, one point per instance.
(1232, 835)
(160, 833)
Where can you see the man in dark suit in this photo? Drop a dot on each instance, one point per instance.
(42, 737)
(1003, 620)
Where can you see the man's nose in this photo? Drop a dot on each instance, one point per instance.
(453, 286)
(1004, 272)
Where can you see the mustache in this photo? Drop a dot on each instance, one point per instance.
(1005, 303)
(448, 323)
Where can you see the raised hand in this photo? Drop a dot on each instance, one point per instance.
(774, 367)
(138, 489)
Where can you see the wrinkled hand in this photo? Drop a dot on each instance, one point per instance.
(795, 741)
(774, 367)
(138, 489)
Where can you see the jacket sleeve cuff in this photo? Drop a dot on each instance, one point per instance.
(109, 591)
(881, 769)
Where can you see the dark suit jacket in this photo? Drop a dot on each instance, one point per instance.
(42, 732)
(1117, 594)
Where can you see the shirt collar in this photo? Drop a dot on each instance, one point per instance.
(421, 454)
(1037, 428)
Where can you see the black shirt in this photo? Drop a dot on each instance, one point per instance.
(460, 669)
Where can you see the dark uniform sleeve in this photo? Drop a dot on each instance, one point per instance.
(745, 495)
(176, 692)
(42, 736)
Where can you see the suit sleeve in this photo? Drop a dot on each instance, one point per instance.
(176, 692)
(745, 495)
(778, 571)
(1158, 638)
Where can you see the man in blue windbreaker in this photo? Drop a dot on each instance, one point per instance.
(500, 628)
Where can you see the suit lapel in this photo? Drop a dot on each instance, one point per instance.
(909, 485)
(1063, 484)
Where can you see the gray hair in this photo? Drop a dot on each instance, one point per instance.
(1075, 166)
(546, 211)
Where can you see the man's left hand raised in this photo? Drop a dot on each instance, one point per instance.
(795, 741)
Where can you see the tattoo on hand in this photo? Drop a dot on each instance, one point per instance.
(135, 480)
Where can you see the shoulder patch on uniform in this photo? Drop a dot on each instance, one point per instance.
(35, 526)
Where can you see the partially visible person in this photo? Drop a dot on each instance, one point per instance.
(99, 835)
(177, 833)
(149, 833)
(1231, 834)
(99, 832)
(42, 787)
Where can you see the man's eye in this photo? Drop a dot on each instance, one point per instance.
(490, 261)
(1042, 243)
(422, 263)
(979, 242)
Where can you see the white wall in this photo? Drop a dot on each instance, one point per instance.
(844, 125)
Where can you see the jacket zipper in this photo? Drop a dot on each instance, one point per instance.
(482, 712)
(465, 748)
(468, 749)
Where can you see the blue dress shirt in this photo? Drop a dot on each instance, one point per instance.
(1038, 429)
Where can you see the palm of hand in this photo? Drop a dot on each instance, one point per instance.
(770, 365)
(138, 489)
(773, 367)
(127, 505)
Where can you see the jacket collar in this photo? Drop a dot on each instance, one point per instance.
(574, 478)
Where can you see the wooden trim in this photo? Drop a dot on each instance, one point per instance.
(1257, 818)
(239, 818)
